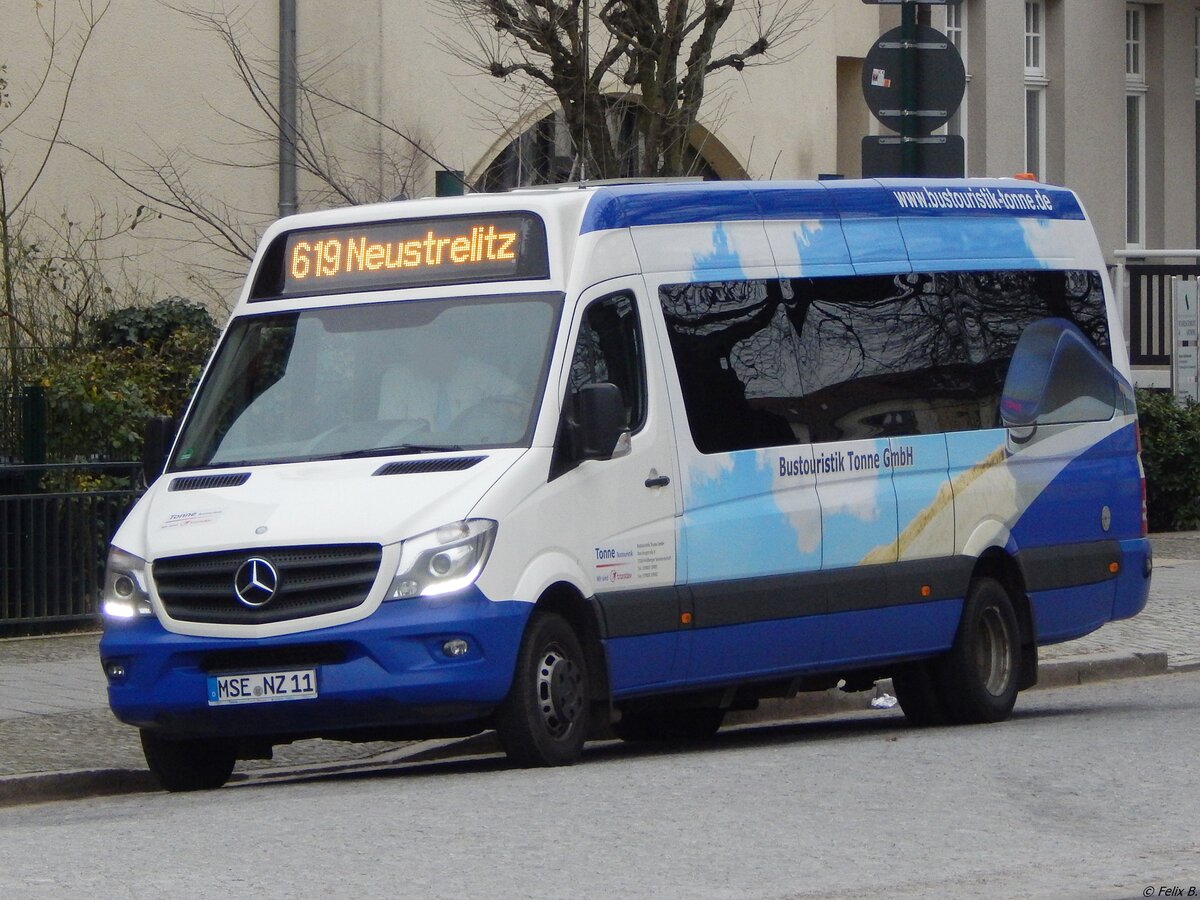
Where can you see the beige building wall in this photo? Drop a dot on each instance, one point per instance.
(149, 88)
(154, 85)
(1089, 120)
(1176, 173)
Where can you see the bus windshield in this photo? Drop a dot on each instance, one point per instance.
(374, 379)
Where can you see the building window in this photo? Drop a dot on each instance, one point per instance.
(1135, 124)
(1134, 19)
(1033, 36)
(1035, 88)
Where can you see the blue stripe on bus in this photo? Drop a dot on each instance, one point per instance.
(627, 206)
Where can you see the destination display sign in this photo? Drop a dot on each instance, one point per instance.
(411, 253)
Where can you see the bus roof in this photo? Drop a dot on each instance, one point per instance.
(631, 205)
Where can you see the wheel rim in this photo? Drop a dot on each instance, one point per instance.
(560, 695)
(993, 652)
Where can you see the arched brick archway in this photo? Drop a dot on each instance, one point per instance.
(539, 151)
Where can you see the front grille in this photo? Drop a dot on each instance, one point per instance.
(311, 581)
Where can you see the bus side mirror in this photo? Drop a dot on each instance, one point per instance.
(156, 443)
(600, 428)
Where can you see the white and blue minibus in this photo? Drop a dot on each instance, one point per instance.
(632, 456)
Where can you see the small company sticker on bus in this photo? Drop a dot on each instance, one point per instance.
(184, 519)
(614, 565)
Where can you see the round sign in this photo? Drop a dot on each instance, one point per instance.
(940, 79)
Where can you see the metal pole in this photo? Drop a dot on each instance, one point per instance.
(909, 149)
(287, 107)
(583, 77)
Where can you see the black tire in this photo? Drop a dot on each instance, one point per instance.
(544, 719)
(979, 678)
(916, 688)
(669, 725)
(191, 765)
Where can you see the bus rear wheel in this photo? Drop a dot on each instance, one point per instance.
(979, 678)
(916, 687)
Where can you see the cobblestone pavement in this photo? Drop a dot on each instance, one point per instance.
(54, 717)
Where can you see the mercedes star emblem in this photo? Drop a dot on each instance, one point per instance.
(255, 582)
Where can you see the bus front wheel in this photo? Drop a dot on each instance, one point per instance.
(544, 719)
(189, 765)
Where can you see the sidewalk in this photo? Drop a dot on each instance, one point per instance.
(58, 738)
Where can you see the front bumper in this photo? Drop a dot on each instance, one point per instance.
(386, 671)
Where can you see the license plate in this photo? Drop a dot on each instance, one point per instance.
(262, 687)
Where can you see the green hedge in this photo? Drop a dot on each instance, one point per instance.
(139, 362)
(1171, 458)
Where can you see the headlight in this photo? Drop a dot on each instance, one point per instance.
(444, 560)
(125, 595)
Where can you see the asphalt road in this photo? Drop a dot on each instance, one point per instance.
(1088, 791)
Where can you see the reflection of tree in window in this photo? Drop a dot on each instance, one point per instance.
(266, 350)
(763, 363)
(722, 340)
(608, 349)
(997, 307)
(879, 356)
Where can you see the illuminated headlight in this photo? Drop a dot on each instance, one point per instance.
(125, 595)
(444, 560)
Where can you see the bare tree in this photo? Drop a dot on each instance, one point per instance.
(169, 181)
(50, 87)
(657, 54)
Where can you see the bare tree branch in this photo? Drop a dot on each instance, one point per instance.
(661, 49)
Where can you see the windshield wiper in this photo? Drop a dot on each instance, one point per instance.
(397, 450)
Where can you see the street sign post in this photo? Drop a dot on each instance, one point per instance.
(937, 84)
(938, 156)
(913, 80)
(1187, 332)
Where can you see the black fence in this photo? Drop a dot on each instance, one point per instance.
(53, 534)
(25, 432)
(53, 547)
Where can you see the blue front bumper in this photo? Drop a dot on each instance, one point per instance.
(386, 671)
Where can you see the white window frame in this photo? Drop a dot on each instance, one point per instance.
(1036, 83)
(1136, 89)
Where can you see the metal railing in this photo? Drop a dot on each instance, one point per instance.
(1147, 302)
(53, 548)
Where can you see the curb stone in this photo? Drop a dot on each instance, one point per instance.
(46, 787)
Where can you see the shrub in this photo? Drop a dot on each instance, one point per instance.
(1171, 458)
(149, 328)
(140, 363)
